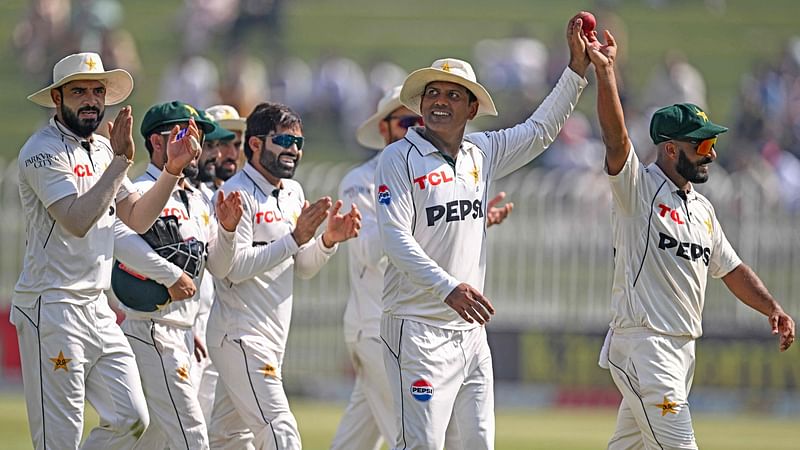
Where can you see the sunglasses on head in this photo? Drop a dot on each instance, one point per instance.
(704, 147)
(407, 121)
(286, 140)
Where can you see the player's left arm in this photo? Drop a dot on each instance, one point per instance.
(748, 287)
(340, 227)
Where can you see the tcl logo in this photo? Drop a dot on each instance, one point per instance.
(433, 179)
(673, 213)
(454, 211)
(686, 250)
(268, 217)
(177, 212)
(82, 170)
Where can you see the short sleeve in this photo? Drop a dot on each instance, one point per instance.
(49, 175)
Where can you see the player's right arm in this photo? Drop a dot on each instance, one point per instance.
(609, 107)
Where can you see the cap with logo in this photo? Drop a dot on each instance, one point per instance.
(173, 113)
(227, 117)
(86, 66)
(682, 121)
(219, 133)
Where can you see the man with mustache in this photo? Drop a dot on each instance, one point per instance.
(159, 325)
(667, 241)
(249, 324)
(73, 185)
(432, 193)
(230, 158)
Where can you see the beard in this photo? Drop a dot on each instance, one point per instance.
(191, 171)
(205, 172)
(82, 127)
(223, 172)
(273, 164)
(691, 171)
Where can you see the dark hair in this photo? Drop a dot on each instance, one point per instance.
(157, 130)
(266, 118)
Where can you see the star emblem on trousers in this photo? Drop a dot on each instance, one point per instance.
(183, 372)
(267, 370)
(667, 407)
(60, 362)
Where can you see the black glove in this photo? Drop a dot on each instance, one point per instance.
(165, 238)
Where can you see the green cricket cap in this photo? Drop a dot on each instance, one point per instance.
(219, 133)
(172, 113)
(682, 121)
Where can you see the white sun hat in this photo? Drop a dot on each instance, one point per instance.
(450, 70)
(227, 117)
(368, 133)
(86, 66)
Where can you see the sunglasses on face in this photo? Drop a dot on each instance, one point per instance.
(286, 140)
(704, 147)
(407, 121)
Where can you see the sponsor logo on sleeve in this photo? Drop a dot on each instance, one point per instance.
(384, 196)
(422, 390)
(40, 160)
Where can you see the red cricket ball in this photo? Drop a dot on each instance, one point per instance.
(589, 22)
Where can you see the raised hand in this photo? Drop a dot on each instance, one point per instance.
(311, 217)
(470, 304)
(602, 55)
(181, 152)
(341, 227)
(577, 42)
(120, 135)
(495, 215)
(229, 210)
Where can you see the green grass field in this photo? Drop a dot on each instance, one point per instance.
(516, 429)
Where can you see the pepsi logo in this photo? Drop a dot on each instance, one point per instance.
(384, 196)
(422, 390)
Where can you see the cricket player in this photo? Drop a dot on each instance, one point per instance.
(73, 185)
(667, 240)
(162, 338)
(249, 322)
(369, 415)
(432, 192)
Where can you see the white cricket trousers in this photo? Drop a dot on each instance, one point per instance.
(654, 374)
(164, 355)
(437, 374)
(250, 382)
(71, 353)
(369, 415)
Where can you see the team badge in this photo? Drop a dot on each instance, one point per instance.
(268, 371)
(183, 372)
(667, 407)
(421, 390)
(60, 362)
(384, 196)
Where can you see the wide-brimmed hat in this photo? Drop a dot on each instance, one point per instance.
(86, 66)
(227, 117)
(682, 121)
(450, 70)
(172, 113)
(368, 133)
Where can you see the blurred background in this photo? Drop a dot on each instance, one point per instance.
(549, 272)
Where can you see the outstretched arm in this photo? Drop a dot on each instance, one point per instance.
(748, 287)
(609, 107)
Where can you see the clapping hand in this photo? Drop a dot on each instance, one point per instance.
(341, 227)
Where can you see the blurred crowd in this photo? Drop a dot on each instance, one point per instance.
(336, 90)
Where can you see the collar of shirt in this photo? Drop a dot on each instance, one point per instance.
(154, 172)
(426, 148)
(261, 182)
(655, 170)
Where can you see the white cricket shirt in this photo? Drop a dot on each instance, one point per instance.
(431, 212)
(367, 263)
(255, 299)
(58, 266)
(664, 247)
(196, 220)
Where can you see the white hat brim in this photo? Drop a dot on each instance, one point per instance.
(368, 133)
(414, 85)
(118, 83)
(233, 124)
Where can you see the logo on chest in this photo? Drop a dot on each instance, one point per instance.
(269, 217)
(433, 179)
(82, 170)
(454, 211)
(686, 250)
